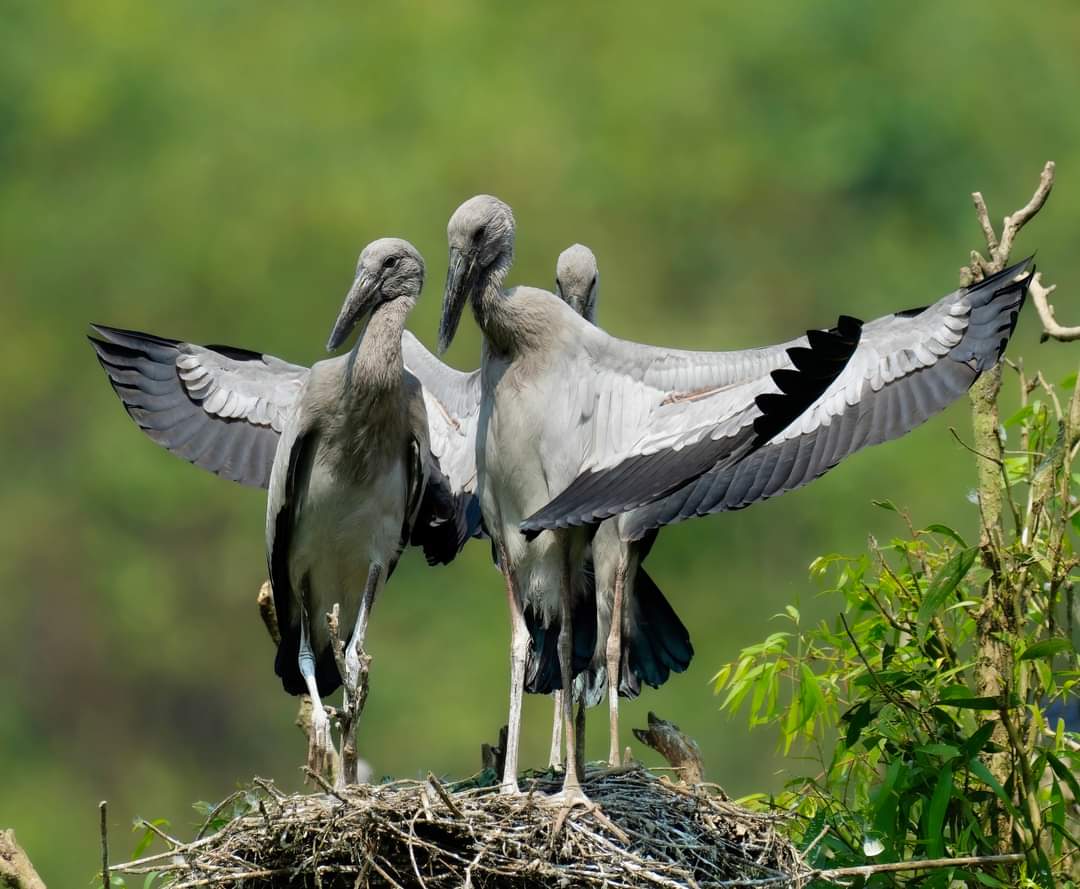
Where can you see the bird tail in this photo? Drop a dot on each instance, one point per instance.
(542, 674)
(287, 667)
(655, 644)
(446, 520)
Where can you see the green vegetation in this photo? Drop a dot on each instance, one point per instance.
(937, 675)
(209, 171)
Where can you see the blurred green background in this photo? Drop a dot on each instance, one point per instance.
(209, 171)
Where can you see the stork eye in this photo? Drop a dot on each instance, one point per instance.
(389, 262)
(478, 235)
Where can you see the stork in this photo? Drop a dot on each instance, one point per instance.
(343, 447)
(559, 396)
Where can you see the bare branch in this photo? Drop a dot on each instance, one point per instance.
(1040, 295)
(15, 868)
(927, 864)
(984, 220)
(103, 808)
(1019, 219)
(268, 612)
(999, 249)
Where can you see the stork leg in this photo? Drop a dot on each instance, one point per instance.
(571, 794)
(519, 648)
(555, 757)
(579, 733)
(355, 669)
(614, 654)
(320, 745)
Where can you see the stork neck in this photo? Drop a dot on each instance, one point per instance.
(375, 363)
(492, 309)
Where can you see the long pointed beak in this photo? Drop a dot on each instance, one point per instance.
(460, 279)
(357, 303)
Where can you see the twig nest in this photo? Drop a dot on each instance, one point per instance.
(645, 831)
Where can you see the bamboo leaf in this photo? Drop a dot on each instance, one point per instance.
(935, 814)
(1046, 648)
(943, 585)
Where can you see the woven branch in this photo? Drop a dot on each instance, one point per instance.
(647, 832)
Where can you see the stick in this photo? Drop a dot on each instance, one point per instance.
(444, 796)
(103, 809)
(268, 612)
(15, 867)
(868, 870)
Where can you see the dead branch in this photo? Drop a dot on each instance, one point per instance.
(868, 870)
(268, 612)
(1040, 294)
(680, 750)
(16, 870)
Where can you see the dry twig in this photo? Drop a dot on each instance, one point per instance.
(16, 870)
(648, 832)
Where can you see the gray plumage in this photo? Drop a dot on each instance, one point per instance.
(638, 641)
(348, 480)
(559, 396)
(907, 367)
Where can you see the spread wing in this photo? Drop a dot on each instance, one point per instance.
(908, 367)
(903, 368)
(440, 518)
(218, 407)
(224, 408)
(452, 400)
(649, 420)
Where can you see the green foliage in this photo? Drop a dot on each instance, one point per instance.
(912, 758)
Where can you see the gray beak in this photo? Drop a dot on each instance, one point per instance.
(360, 300)
(461, 277)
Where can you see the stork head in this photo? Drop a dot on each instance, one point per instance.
(388, 269)
(481, 239)
(577, 280)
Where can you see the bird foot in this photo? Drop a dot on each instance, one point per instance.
(321, 754)
(567, 799)
(509, 788)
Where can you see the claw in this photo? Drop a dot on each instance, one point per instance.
(320, 744)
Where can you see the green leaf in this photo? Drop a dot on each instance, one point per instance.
(811, 701)
(935, 814)
(978, 739)
(978, 768)
(944, 751)
(858, 718)
(983, 703)
(945, 530)
(1064, 773)
(1046, 648)
(1022, 414)
(942, 586)
(885, 504)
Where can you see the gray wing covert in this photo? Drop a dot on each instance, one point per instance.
(908, 367)
(651, 420)
(219, 407)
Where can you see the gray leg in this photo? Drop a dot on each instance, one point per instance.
(555, 757)
(572, 794)
(320, 745)
(354, 696)
(614, 654)
(356, 641)
(519, 647)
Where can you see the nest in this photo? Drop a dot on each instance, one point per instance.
(643, 831)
